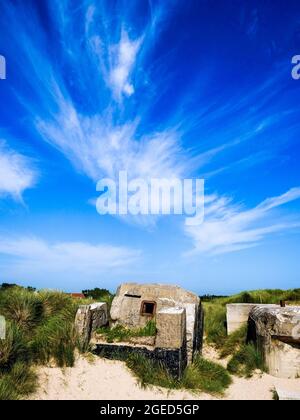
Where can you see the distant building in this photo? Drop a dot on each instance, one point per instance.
(77, 295)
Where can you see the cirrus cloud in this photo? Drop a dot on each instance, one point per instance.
(16, 173)
(228, 227)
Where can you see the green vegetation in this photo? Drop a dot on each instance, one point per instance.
(120, 333)
(100, 295)
(206, 376)
(245, 361)
(150, 373)
(201, 376)
(19, 382)
(39, 329)
(268, 296)
(233, 342)
(245, 358)
(215, 323)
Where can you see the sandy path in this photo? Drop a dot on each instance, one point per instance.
(101, 379)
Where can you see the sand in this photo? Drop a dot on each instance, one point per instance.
(93, 378)
(98, 380)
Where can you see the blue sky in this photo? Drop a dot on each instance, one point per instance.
(198, 89)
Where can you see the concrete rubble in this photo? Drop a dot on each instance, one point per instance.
(277, 334)
(88, 319)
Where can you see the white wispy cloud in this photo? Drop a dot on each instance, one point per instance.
(99, 148)
(100, 138)
(228, 227)
(100, 134)
(34, 256)
(84, 112)
(123, 59)
(16, 173)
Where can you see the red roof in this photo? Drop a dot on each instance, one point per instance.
(77, 295)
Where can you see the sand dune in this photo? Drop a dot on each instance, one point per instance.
(99, 379)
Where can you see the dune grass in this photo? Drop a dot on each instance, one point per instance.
(150, 373)
(39, 329)
(19, 382)
(54, 339)
(200, 376)
(233, 342)
(215, 323)
(245, 361)
(206, 376)
(267, 296)
(120, 333)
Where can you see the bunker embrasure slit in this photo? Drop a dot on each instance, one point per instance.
(148, 308)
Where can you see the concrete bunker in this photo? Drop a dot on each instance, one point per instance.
(178, 318)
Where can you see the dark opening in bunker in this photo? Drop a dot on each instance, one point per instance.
(148, 308)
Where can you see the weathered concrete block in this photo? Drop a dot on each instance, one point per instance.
(83, 325)
(88, 319)
(99, 315)
(278, 338)
(238, 314)
(171, 328)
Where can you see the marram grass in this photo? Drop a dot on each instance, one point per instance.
(201, 376)
(39, 329)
